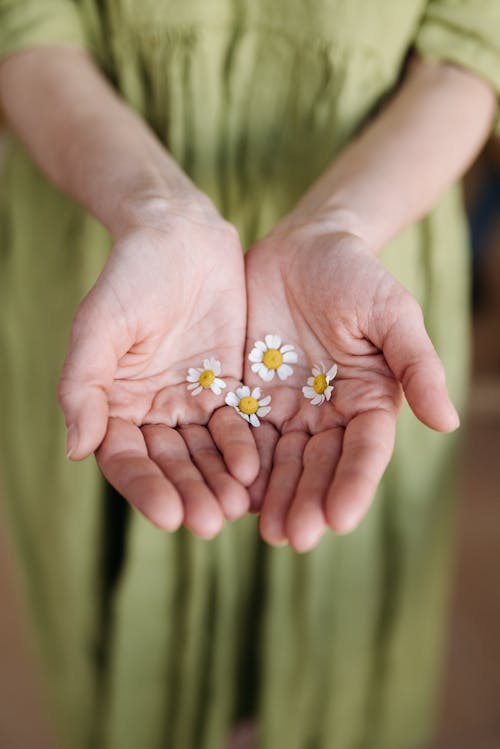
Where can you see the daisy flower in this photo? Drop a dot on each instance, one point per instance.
(270, 356)
(318, 388)
(205, 377)
(248, 404)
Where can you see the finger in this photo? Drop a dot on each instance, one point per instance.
(286, 472)
(202, 513)
(306, 522)
(414, 361)
(232, 496)
(86, 377)
(123, 459)
(366, 451)
(266, 437)
(233, 437)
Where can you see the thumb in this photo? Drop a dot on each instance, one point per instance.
(413, 359)
(87, 375)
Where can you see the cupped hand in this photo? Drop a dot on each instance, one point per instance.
(328, 296)
(171, 296)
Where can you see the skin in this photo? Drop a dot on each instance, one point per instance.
(160, 308)
(157, 307)
(328, 295)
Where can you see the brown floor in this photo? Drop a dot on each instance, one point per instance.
(470, 715)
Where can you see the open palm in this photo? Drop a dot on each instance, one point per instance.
(326, 294)
(171, 297)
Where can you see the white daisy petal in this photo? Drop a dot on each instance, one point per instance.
(310, 381)
(255, 355)
(287, 347)
(260, 345)
(256, 393)
(328, 392)
(254, 420)
(257, 366)
(276, 341)
(232, 399)
(215, 388)
(309, 392)
(316, 371)
(217, 369)
(284, 371)
(192, 372)
(318, 398)
(266, 374)
(269, 341)
(206, 364)
(220, 383)
(291, 357)
(244, 416)
(265, 401)
(193, 385)
(242, 392)
(197, 391)
(263, 411)
(332, 372)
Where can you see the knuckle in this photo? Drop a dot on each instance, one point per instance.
(207, 453)
(62, 392)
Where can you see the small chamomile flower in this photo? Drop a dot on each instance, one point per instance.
(269, 356)
(248, 404)
(318, 388)
(205, 378)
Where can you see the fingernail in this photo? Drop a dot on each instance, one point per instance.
(71, 441)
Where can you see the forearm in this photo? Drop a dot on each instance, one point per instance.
(422, 141)
(89, 143)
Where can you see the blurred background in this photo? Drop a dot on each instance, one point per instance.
(470, 709)
(469, 714)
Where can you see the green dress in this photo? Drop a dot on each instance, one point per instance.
(152, 640)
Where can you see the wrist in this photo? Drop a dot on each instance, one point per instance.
(156, 208)
(331, 218)
(335, 217)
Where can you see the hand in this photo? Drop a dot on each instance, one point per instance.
(171, 295)
(326, 294)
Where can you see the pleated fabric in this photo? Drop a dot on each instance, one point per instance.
(162, 641)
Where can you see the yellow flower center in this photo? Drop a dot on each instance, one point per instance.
(273, 358)
(248, 405)
(206, 378)
(320, 384)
